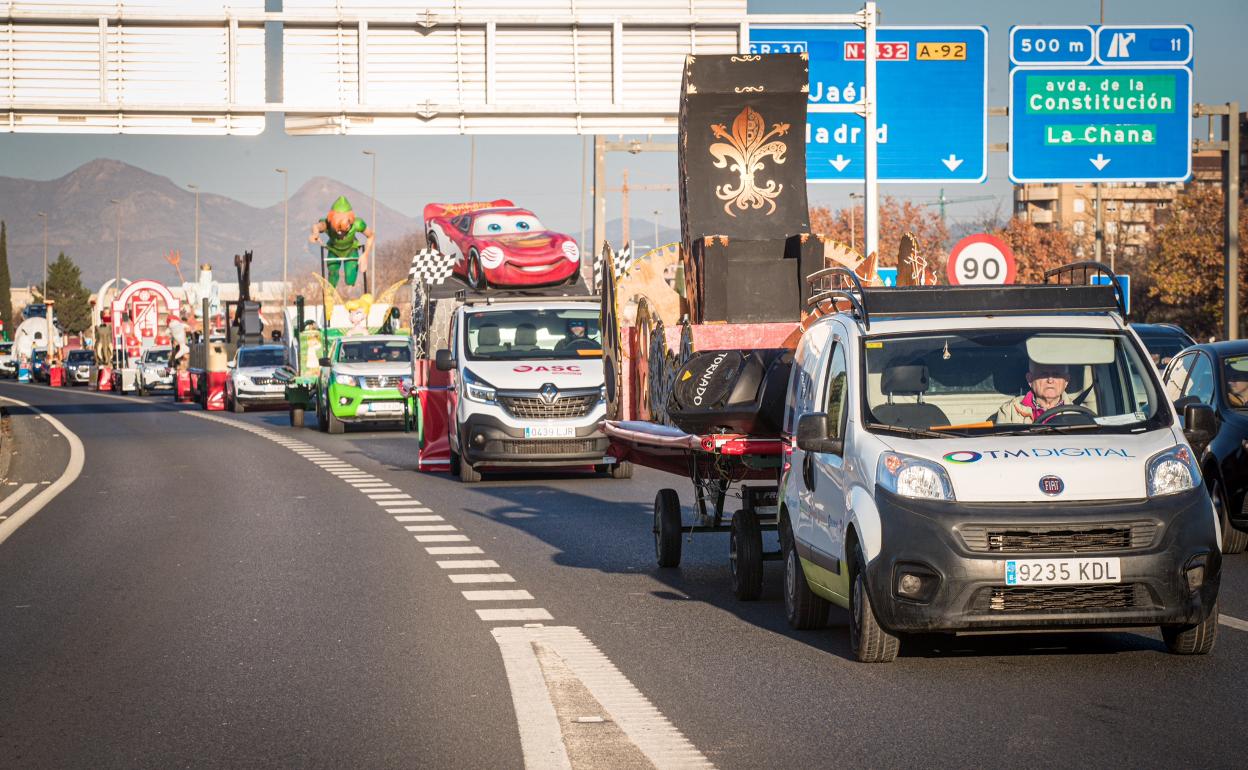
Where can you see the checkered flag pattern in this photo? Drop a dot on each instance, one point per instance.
(623, 263)
(430, 266)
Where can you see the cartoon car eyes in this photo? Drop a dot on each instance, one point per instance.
(494, 227)
(522, 226)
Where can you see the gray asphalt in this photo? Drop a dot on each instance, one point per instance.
(246, 625)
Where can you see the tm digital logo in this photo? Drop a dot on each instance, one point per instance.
(965, 456)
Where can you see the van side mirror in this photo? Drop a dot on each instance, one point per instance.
(1181, 404)
(1200, 425)
(812, 435)
(323, 362)
(443, 360)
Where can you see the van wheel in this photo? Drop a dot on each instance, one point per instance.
(1193, 640)
(1233, 540)
(870, 642)
(745, 556)
(667, 528)
(467, 473)
(333, 424)
(803, 608)
(296, 417)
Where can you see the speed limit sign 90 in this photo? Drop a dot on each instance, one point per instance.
(981, 259)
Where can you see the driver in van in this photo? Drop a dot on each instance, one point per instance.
(576, 331)
(1237, 384)
(1047, 390)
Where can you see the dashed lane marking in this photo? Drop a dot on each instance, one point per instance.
(405, 509)
(431, 528)
(498, 596)
(442, 538)
(488, 577)
(432, 517)
(468, 564)
(1235, 623)
(452, 550)
(519, 614)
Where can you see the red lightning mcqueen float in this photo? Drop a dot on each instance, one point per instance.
(495, 243)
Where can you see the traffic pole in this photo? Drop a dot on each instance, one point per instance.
(871, 181)
(1230, 222)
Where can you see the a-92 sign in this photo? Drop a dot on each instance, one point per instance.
(981, 259)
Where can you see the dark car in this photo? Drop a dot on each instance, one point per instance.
(1216, 374)
(1163, 341)
(39, 365)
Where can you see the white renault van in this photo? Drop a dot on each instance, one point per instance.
(983, 459)
(527, 386)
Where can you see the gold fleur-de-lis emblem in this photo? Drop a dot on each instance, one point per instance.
(744, 151)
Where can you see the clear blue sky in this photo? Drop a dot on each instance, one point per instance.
(544, 173)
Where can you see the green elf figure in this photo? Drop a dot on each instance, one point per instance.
(341, 225)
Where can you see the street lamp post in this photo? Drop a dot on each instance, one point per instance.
(195, 275)
(656, 227)
(44, 216)
(117, 279)
(372, 273)
(285, 234)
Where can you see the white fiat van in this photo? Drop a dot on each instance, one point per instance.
(982, 459)
(527, 386)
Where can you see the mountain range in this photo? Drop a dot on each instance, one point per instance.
(158, 216)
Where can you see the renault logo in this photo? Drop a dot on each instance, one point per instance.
(549, 393)
(382, 382)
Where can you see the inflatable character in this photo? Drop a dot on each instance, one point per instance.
(358, 310)
(340, 226)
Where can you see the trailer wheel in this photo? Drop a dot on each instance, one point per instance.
(296, 417)
(745, 555)
(454, 469)
(667, 529)
(620, 470)
(333, 424)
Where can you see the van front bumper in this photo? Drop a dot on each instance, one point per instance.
(485, 440)
(964, 547)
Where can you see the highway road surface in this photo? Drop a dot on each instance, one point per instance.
(218, 590)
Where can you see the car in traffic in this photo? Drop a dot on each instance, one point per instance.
(1164, 341)
(955, 473)
(151, 371)
(500, 244)
(8, 365)
(527, 386)
(39, 365)
(252, 381)
(78, 366)
(1216, 375)
(365, 379)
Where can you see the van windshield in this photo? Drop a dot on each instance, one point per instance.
(499, 335)
(1035, 380)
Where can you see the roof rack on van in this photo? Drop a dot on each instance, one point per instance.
(1086, 272)
(833, 284)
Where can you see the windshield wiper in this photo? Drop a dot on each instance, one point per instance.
(913, 432)
(1043, 428)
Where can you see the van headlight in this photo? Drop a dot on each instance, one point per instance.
(913, 477)
(345, 379)
(1171, 472)
(477, 389)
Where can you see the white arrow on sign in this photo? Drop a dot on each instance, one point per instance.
(1100, 161)
(839, 162)
(952, 162)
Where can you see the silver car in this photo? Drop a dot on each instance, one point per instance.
(152, 371)
(252, 380)
(78, 366)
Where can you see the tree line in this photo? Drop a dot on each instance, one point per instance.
(71, 299)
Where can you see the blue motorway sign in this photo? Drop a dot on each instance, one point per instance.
(1124, 284)
(888, 275)
(932, 123)
(1100, 104)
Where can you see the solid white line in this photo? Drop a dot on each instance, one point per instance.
(491, 577)
(431, 528)
(441, 538)
(419, 518)
(48, 493)
(1236, 623)
(540, 733)
(523, 613)
(18, 494)
(468, 564)
(452, 550)
(497, 596)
